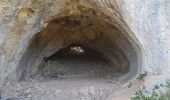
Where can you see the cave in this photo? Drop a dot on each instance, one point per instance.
(83, 49)
(77, 61)
(74, 48)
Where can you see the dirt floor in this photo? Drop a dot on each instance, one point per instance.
(70, 78)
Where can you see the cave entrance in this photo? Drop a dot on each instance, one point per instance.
(79, 52)
(81, 38)
(77, 61)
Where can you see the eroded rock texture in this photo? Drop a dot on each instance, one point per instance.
(132, 35)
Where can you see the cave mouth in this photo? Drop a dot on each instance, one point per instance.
(91, 35)
(77, 61)
(81, 51)
(86, 35)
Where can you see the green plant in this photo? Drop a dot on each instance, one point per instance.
(140, 95)
(155, 94)
(143, 94)
(142, 76)
(166, 96)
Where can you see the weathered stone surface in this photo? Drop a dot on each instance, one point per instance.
(139, 29)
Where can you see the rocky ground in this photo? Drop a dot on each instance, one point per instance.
(72, 89)
(75, 79)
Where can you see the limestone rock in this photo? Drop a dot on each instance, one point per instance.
(133, 35)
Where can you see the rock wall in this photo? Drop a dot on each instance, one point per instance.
(144, 23)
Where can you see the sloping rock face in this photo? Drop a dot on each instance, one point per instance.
(133, 35)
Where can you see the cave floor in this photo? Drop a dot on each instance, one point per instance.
(71, 78)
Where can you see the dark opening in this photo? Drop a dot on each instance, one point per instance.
(77, 61)
(81, 51)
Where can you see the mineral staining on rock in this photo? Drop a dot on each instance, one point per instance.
(130, 33)
(25, 12)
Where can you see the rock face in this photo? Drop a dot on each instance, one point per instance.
(133, 35)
